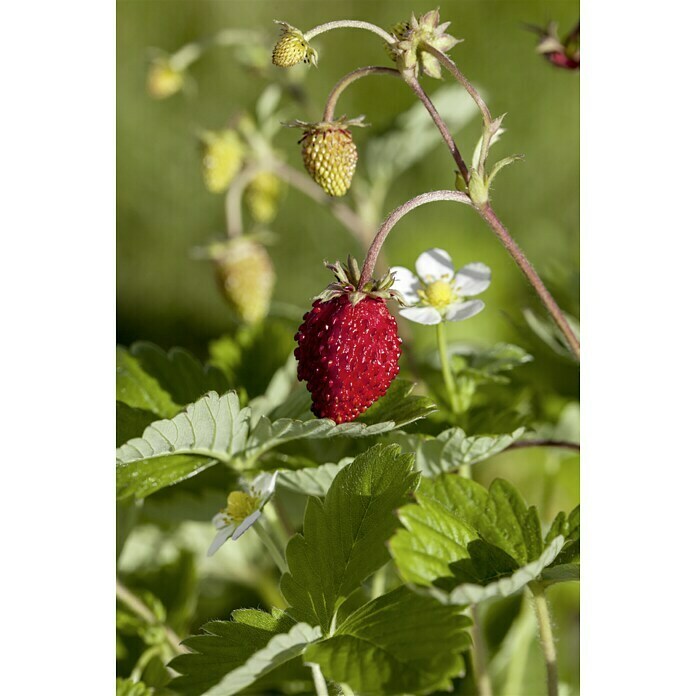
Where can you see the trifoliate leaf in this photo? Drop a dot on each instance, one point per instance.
(312, 480)
(232, 655)
(452, 449)
(343, 539)
(398, 643)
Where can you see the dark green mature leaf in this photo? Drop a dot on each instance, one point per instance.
(399, 642)
(471, 543)
(399, 405)
(566, 566)
(343, 540)
(178, 372)
(231, 655)
(130, 422)
(452, 449)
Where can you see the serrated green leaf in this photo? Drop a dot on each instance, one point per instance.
(452, 449)
(312, 480)
(131, 422)
(399, 642)
(215, 429)
(399, 405)
(473, 593)
(343, 539)
(471, 544)
(225, 647)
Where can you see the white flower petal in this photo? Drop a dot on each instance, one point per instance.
(459, 311)
(406, 283)
(221, 537)
(435, 264)
(245, 524)
(263, 486)
(472, 279)
(422, 315)
(221, 520)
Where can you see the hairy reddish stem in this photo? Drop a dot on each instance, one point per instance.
(348, 79)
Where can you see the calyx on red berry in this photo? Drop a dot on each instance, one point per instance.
(348, 347)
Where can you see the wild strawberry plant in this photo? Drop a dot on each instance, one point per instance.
(396, 572)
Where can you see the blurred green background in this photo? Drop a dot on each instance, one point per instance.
(164, 210)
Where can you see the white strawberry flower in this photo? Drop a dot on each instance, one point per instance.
(243, 509)
(435, 293)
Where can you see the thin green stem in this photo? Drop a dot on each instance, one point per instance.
(348, 79)
(394, 217)
(271, 544)
(446, 367)
(348, 24)
(480, 655)
(319, 681)
(347, 691)
(546, 639)
(138, 607)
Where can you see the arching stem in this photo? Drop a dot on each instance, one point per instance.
(348, 24)
(348, 79)
(394, 217)
(413, 83)
(451, 66)
(548, 646)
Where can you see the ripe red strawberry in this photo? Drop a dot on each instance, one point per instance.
(348, 347)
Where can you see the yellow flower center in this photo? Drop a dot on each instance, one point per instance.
(438, 294)
(240, 505)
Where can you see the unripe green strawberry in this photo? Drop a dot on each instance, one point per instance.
(262, 196)
(246, 276)
(292, 48)
(222, 157)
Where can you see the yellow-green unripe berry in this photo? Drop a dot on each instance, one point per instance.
(247, 277)
(262, 195)
(292, 48)
(330, 157)
(222, 156)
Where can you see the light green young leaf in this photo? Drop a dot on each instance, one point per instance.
(312, 480)
(452, 449)
(212, 429)
(231, 653)
(215, 429)
(344, 538)
(398, 643)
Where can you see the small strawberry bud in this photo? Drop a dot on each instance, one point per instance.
(561, 53)
(262, 195)
(348, 347)
(292, 48)
(329, 153)
(246, 276)
(162, 79)
(222, 156)
(411, 37)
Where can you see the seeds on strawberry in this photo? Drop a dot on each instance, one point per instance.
(329, 153)
(348, 347)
